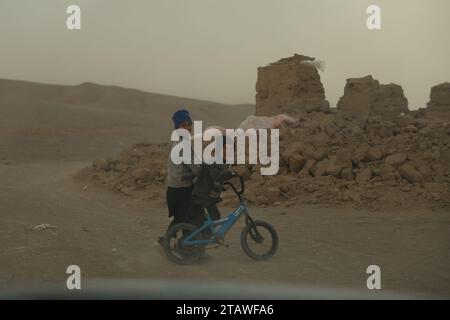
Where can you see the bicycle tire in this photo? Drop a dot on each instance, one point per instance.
(244, 240)
(186, 255)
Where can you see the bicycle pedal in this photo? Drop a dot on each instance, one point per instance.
(213, 247)
(222, 243)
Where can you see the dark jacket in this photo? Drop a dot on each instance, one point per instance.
(209, 185)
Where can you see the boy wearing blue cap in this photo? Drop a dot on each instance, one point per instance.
(180, 177)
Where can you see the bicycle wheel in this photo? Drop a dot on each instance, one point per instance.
(175, 251)
(259, 240)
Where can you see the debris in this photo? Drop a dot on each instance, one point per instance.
(43, 226)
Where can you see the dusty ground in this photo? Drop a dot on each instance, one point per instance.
(318, 245)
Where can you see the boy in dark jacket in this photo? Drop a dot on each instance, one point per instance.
(207, 190)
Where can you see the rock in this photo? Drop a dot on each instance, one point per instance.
(320, 153)
(126, 190)
(312, 125)
(333, 169)
(140, 173)
(100, 164)
(304, 173)
(364, 176)
(386, 130)
(319, 139)
(421, 123)
(347, 174)
(310, 164)
(423, 145)
(291, 149)
(296, 163)
(307, 152)
(359, 154)
(331, 130)
(256, 176)
(409, 173)
(284, 188)
(374, 153)
(251, 195)
(354, 197)
(344, 158)
(427, 131)
(312, 187)
(411, 128)
(321, 168)
(339, 121)
(403, 120)
(122, 167)
(396, 159)
(271, 195)
(325, 120)
(387, 172)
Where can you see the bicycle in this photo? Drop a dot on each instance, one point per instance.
(188, 243)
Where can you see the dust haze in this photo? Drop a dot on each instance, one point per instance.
(210, 49)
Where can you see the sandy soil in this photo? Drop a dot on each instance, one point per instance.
(113, 237)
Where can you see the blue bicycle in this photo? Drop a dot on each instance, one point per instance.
(184, 243)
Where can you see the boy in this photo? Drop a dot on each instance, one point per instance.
(207, 189)
(179, 177)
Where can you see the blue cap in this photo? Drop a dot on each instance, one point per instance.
(181, 116)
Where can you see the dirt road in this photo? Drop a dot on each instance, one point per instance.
(110, 236)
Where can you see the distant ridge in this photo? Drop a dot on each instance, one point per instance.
(89, 93)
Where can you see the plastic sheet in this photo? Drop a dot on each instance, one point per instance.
(275, 122)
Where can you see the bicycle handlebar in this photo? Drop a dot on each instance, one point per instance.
(240, 192)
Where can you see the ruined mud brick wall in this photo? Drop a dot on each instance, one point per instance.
(439, 104)
(288, 85)
(365, 97)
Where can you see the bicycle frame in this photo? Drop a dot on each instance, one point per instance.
(226, 224)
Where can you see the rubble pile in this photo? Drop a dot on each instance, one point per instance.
(369, 152)
(139, 171)
(328, 159)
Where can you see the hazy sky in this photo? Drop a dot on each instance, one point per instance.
(210, 49)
